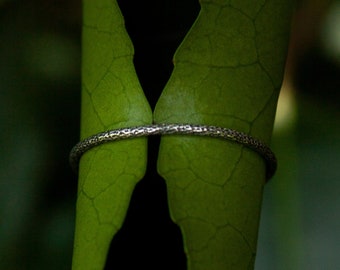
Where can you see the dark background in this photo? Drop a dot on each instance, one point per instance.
(39, 120)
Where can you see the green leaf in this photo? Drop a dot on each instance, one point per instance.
(228, 73)
(111, 98)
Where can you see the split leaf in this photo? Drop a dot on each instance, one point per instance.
(111, 98)
(228, 73)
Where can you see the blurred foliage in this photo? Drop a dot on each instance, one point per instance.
(39, 52)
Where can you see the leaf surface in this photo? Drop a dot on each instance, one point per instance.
(228, 73)
(111, 98)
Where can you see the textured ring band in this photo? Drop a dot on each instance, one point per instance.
(180, 129)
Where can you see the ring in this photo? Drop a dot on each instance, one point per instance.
(175, 129)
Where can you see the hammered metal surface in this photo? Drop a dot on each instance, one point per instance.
(179, 129)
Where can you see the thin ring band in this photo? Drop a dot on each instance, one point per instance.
(179, 129)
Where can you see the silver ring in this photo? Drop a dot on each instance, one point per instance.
(179, 129)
